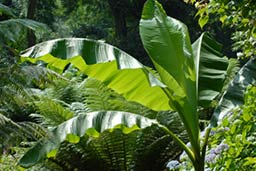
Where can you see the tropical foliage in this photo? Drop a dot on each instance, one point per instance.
(237, 132)
(81, 104)
(177, 85)
(238, 15)
(232, 143)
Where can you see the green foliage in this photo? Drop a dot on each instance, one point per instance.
(180, 89)
(13, 133)
(237, 131)
(234, 94)
(233, 68)
(113, 65)
(180, 82)
(170, 50)
(88, 19)
(239, 15)
(231, 144)
(6, 10)
(13, 31)
(90, 123)
(8, 162)
(213, 69)
(147, 149)
(96, 96)
(51, 112)
(17, 87)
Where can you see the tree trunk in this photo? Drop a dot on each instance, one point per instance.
(136, 8)
(30, 15)
(118, 11)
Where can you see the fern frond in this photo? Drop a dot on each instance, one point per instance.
(65, 90)
(9, 129)
(171, 120)
(98, 96)
(37, 76)
(16, 85)
(149, 149)
(51, 112)
(33, 131)
(94, 95)
(11, 133)
(78, 108)
(14, 103)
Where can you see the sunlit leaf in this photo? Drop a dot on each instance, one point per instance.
(115, 68)
(167, 42)
(78, 126)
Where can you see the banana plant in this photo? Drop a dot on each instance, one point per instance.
(188, 76)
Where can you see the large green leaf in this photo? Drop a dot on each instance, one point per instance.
(115, 68)
(234, 95)
(11, 29)
(211, 68)
(146, 149)
(78, 126)
(167, 42)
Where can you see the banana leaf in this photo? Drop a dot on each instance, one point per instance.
(91, 123)
(115, 68)
(169, 48)
(234, 95)
(211, 68)
(146, 149)
(167, 42)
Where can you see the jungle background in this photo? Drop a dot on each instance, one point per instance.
(232, 23)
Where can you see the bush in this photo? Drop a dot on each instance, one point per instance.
(232, 145)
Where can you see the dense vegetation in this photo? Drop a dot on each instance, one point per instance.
(83, 104)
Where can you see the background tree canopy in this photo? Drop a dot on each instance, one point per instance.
(115, 22)
(72, 101)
